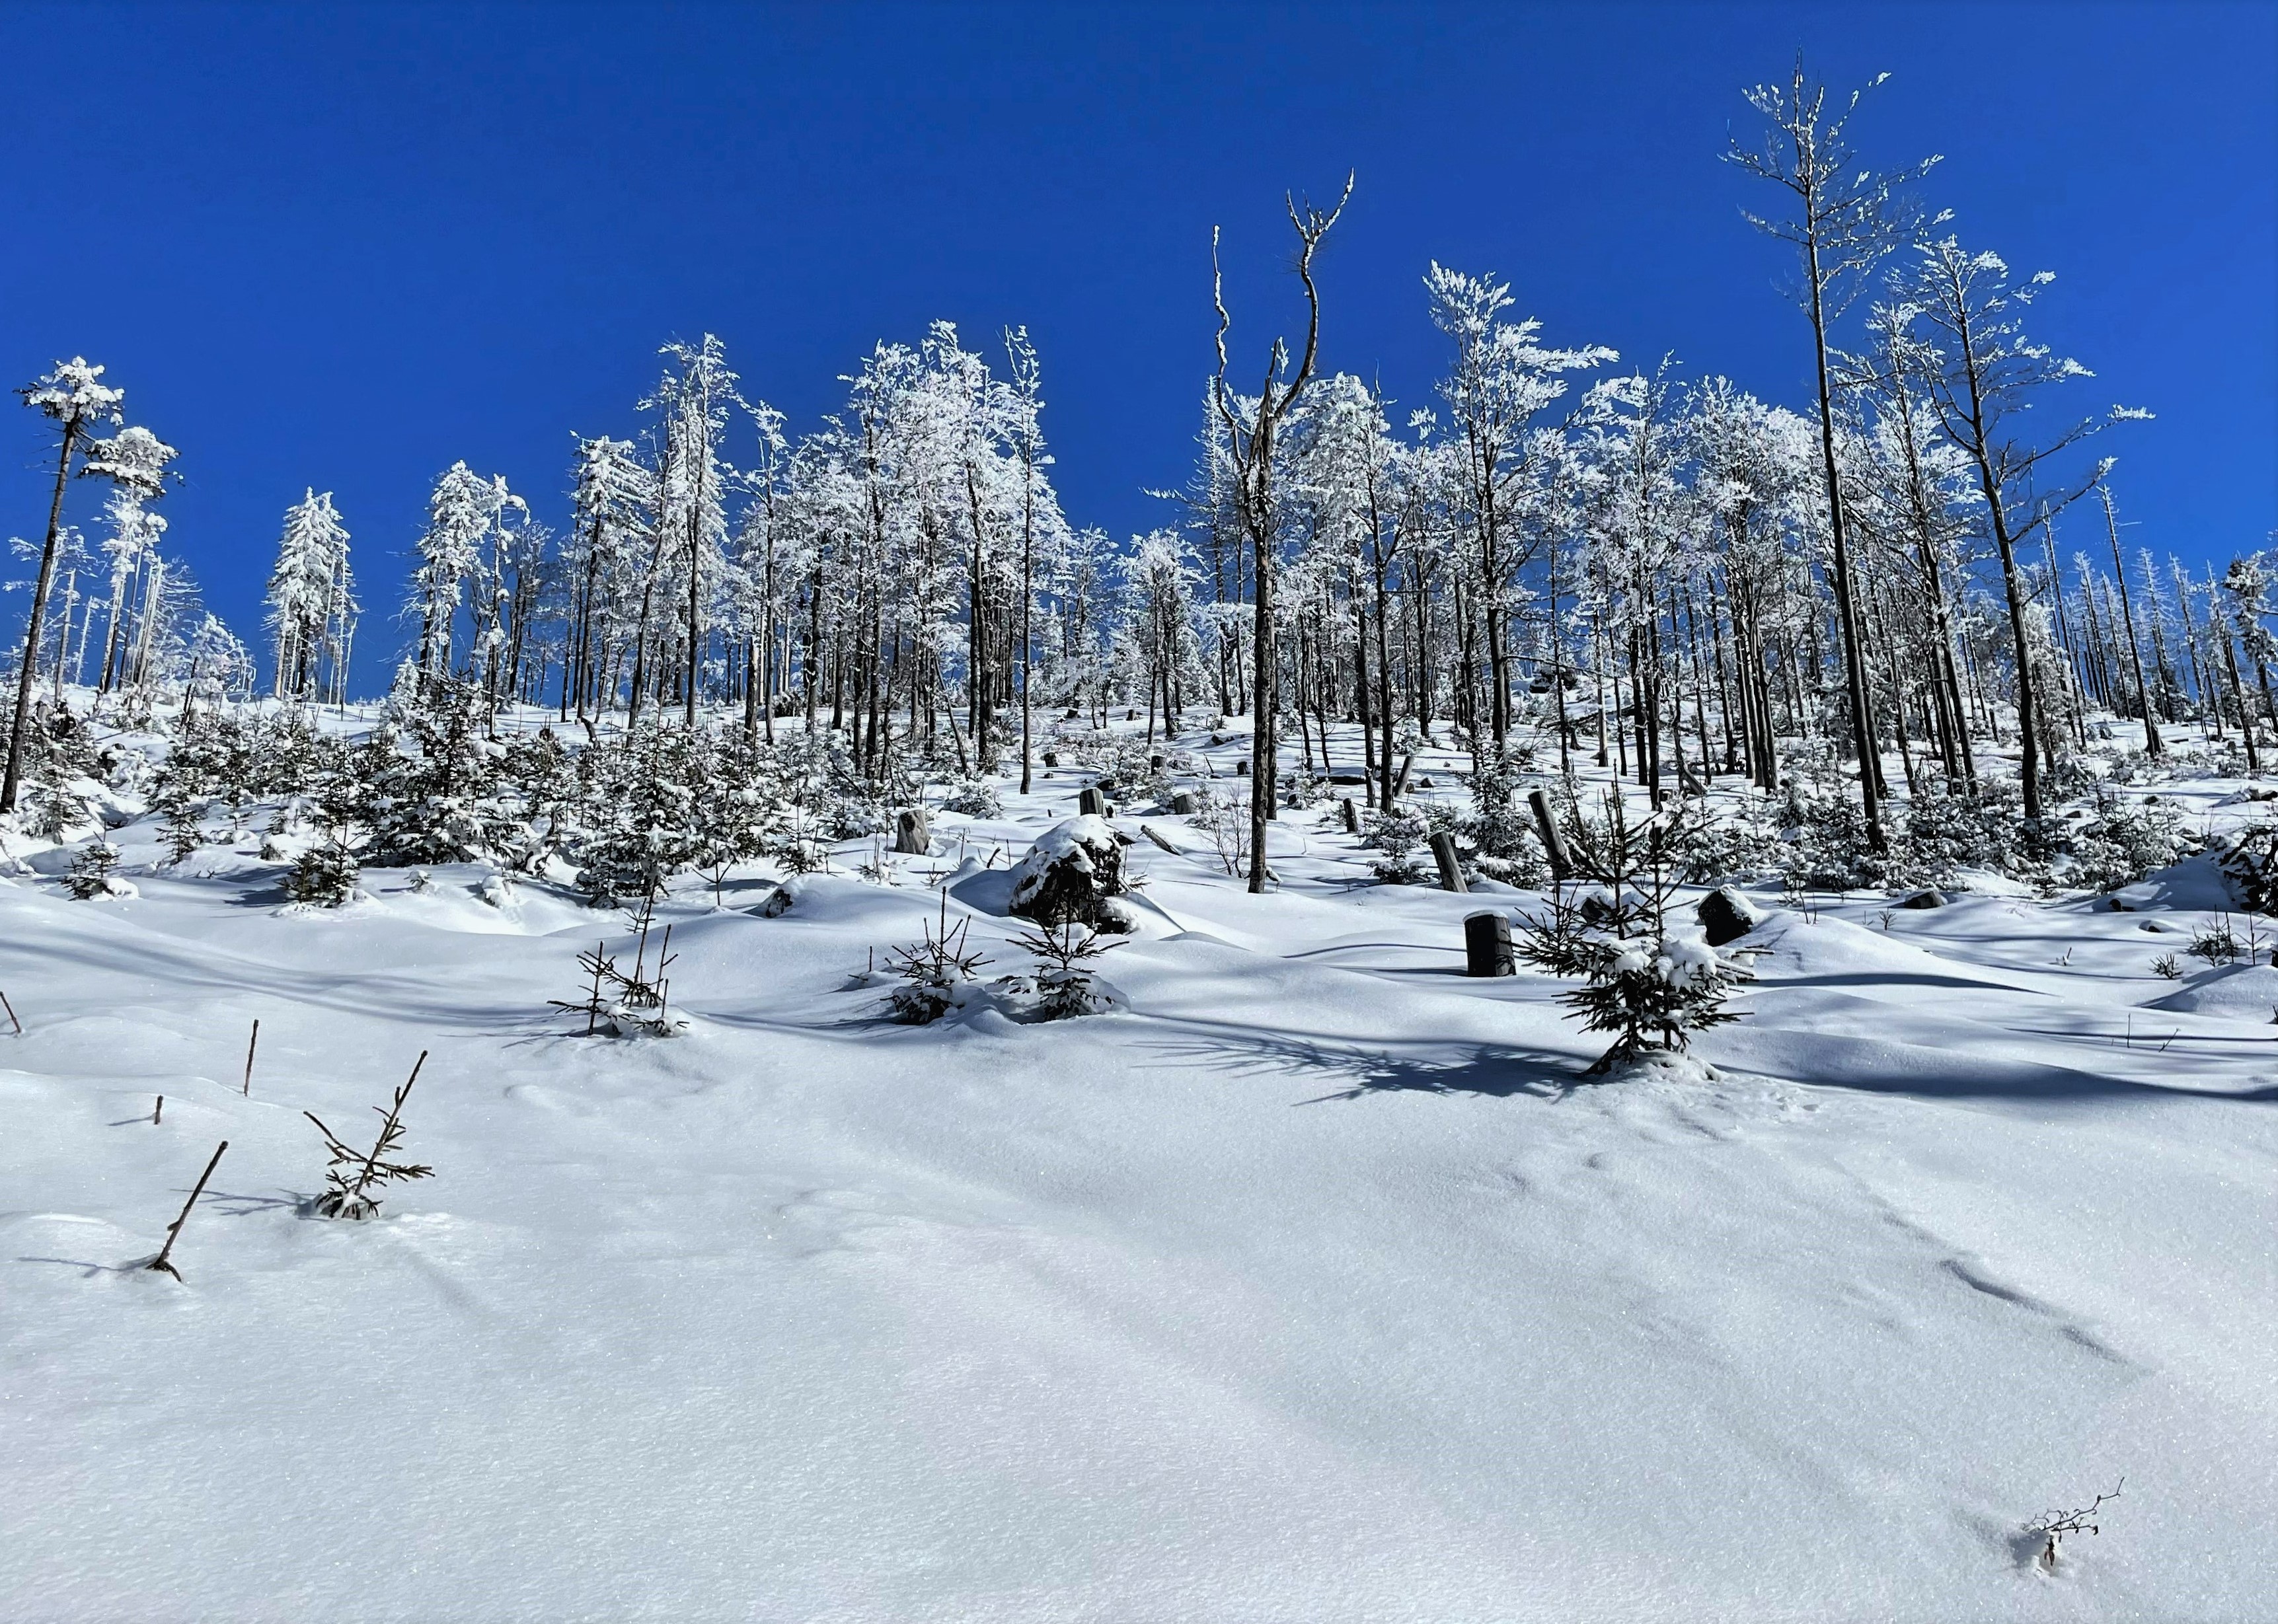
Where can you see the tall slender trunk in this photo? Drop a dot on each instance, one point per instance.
(28, 673)
(1847, 611)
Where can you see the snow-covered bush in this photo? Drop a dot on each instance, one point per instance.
(1225, 818)
(1744, 841)
(1500, 823)
(1398, 834)
(1944, 828)
(639, 824)
(2071, 773)
(819, 779)
(2122, 842)
(975, 797)
(180, 832)
(54, 807)
(2134, 766)
(1127, 773)
(324, 874)
(1830, 851)
(1825, 829)
(287, 755)
(429, 788)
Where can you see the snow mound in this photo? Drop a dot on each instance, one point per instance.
(2196, 883)
(1794, 947)
(2240, 992)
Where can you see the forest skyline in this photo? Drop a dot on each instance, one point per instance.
(1023, 168)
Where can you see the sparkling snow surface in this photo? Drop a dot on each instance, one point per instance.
(1316, 1285)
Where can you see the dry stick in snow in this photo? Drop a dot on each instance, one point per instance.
(249, 1047)
(159, 1113)
(10, 1008)
(174, 1230)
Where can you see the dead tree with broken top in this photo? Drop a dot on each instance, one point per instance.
(1252, 429)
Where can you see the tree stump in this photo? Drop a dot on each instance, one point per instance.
(1726, 916)
(1554, 843)
(1093, 804)
(1486, 945)
(912, 837)
(1350, 814)
(1451, 867)
(1182, 804)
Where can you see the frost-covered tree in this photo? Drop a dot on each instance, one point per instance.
(75, 397)
(1843, 221)
(1984, 375)
(311, 602)
(694, 402)
(1502, 379)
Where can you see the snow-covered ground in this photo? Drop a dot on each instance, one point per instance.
(1316, 1283)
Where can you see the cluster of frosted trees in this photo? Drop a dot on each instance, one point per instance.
(903, 572)
(119, 616)
(1675, 577)
(1559, 555)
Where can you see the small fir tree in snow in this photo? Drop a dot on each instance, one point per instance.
(627, 1003)
(178, 831)
(91, 874)
(55, 808)
(324, 874)
(357, 1179)
(1650, 988)
(1065, 986)
(934, 969)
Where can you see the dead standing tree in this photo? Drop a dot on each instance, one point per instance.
(1251, 437)
(1846, 220)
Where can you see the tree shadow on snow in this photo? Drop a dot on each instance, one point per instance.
(1493, 1074)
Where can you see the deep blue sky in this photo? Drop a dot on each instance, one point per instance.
(342, 247)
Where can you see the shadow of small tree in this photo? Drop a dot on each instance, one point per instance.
(1490, 1073)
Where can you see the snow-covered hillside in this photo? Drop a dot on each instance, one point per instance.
(1315, 1282)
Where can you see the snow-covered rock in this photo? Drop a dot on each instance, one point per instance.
(1727, 916)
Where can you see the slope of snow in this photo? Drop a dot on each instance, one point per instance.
(1317, 1284)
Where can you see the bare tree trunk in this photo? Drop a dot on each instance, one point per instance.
(28, 673)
